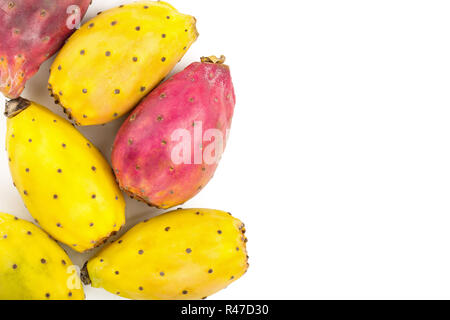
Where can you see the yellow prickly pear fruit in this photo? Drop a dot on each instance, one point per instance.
(65, 182)
(33, 266)
(116, 58)
(183, 254)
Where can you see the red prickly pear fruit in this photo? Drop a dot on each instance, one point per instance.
(169, 147)
(30, 33)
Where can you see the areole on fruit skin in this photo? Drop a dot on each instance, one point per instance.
(31, 32)
(142, 156)
(64, 181)
(103, 70)
(182, 254)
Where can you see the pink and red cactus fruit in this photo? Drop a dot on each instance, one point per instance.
(31, 31)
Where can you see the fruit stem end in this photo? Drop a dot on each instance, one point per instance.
(213, 59)
(15, 106)
(84, 275)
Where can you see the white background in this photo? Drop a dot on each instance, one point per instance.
(338, 160)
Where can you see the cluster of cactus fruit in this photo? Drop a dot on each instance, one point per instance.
(69, 187)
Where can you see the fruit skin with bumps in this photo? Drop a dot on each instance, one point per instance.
(182, 254)
(30, 33)
(64, 181)
(33, 266)
(142, 157)
(118, 57)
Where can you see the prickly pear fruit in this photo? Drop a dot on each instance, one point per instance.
(182, 254)
(63, 179)
(148, 158)
(33, 266)
(115, 59)
(31, 32)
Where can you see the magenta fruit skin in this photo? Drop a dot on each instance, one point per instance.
(201, 93)
(31, 31)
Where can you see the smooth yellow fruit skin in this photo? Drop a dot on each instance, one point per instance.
(183, 254)
(64, 181)
(33, 266)
(115, 59)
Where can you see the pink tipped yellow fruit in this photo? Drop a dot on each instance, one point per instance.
(31, 31)
(65, 182)
(118, 57)
(182, 254)
(33, 266)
